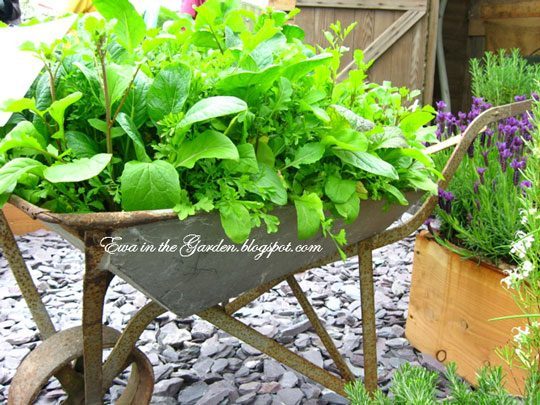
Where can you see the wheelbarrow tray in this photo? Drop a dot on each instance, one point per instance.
(186, 280)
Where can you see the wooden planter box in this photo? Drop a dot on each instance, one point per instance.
(451, 304)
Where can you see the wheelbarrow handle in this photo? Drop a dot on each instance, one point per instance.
(462, 144)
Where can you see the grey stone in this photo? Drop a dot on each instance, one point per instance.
(246, 398)
(330, 397)
(290, 396)
(168, 388)
(288, 380)
(264, 399)
(202, 330)
(219, 365)
(315, 356)
(296, 329)
(396, 343)
(162, 372)
(333, 303)
(210, 347)
(249, 387)
(217, 392)
(21, 336)
(190, 395)
(172, 335)
(269, 388)
(272, 370)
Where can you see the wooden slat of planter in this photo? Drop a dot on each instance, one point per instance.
(402, 5)
(452, 302)
(19, 222)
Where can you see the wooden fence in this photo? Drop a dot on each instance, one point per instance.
(399, 35)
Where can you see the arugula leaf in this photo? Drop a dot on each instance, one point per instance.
(398, 195)
(24, 135)
(247, 162)
(149, 186)
(307, 154)
(15, 106)
(390, 137)
(269, 183)
(14, 169)
(413, 121)
(130, 28)
(81, 144)
(235, 220)
(213, 107)
(339, 190)
(209, 144)
(347, 139)
(57, 111)
(349, 209)
(78, 170)
(135, 104)
(265, 155)
(298, 70)
(169, 91)
(131, 130)
(358, 123)
(368, 162)
(118, 80)
(309, 214)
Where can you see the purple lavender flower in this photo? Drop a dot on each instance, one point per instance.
(481, 171)
(445, 200)
(441, 105)
(517, 165)
(476, 187)
(520, 98)
(504, 155)
(485, 156)
(525, 184)
(535, 96)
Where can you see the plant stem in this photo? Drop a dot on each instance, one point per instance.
(101, 54)
(124, 96)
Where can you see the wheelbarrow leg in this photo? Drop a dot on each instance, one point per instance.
(367, 297)
(70, 380)
(95, 285)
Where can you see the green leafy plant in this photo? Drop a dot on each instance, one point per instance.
(417, 385)
(231, 112)
(498, 77)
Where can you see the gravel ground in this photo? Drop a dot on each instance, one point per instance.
(196, 364)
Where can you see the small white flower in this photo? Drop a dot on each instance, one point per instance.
(521, 334)
(526, 268)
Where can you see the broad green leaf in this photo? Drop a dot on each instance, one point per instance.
(391, 137)
(269, 183)
(422, 182)
(101, 126)
(213, 107)
(339, 190)
(265, 155)
(368, 162)
(298, 70)
(209, 144)
(398, 195)
(415, 120)
(309, 214)
(15, 106)
(130, 28)
(118, 80)
(358, 123)
(418, 155)
(247, 162)
(78, 170)
(347, 138)
(57, 110)
(263, 54)
(169, 91)
(149, 186)
(135, 105)
(238, 83)
(14, 169)
(349, 209)
(235, 220)
(24, 135)
(293, 32)
(81, 144)
(307, 154)
(131, 130)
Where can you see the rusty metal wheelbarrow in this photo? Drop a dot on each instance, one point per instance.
(211, 285)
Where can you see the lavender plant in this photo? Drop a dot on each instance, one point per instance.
(498, 77)
(480, 211)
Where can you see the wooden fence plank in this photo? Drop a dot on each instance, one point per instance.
(403, 5)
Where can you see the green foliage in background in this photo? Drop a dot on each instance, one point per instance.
(499, 77)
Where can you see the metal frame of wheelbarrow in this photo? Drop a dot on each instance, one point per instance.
(86, 382)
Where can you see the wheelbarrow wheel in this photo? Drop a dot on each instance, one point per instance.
(59, 351)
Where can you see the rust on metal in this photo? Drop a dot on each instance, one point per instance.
(116, 361)
(367, 299)
(217, 316)
(59, 351)
(95, 284)
(69, 380)
(327, 341)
